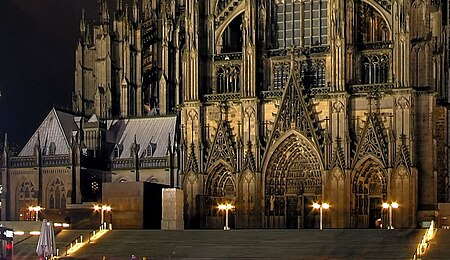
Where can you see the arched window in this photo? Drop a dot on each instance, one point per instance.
(228, 79)
(26, 196)
(281, 72)
(231, 40)
(57, 194)
(52, 148)
(375, 69)
(153, 180)
(373, 27)
(313, 73)
(116, 151)
(52, 201)
(151, 148)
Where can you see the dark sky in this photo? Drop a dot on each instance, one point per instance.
(37, 50)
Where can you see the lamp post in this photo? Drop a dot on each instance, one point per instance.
(226, 207)
(35, 209)
(321, 207)
(102, 209)
(390, 206)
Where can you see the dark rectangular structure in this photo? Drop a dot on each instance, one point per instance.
(135, 205)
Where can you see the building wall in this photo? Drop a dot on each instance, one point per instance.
(315, 124)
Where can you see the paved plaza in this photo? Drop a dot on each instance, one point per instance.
(250, 244)
(440, 246)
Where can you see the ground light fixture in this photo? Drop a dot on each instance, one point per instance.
(226, 207)
(36, 209)
(321, 207)
(102, 208)
(390, 206)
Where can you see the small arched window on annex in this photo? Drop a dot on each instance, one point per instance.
(153, 180)
(117, 151)
(121, 180)
(26, 195)
(56, 194)
(150, 149)
(52, 148)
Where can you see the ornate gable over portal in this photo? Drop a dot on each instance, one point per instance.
(223, 146)
(372, 141)
(296, 113)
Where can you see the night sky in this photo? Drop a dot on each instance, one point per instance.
(37, 52)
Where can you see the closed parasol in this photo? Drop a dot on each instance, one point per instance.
(46, 246)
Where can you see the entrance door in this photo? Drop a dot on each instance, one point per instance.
(375, 213)
(309, 213)
(292, 212)
(299, 212)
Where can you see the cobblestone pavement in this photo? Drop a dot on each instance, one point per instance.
(254, 244)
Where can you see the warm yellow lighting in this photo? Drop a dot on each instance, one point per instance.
(102, 207)
(392, 205)
(35, 208)
(225, 206)
(35, 233)
(19, 233)
(75, 247)
(323, 205)
(99, 234)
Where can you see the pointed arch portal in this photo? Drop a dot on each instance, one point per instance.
(369, 190)
(293, 181)
(220, 188)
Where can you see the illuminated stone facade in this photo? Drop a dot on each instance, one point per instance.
(280, 103)
(292, 102)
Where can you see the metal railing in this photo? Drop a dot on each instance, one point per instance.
(78, 241)
(73, 243)
(422, 247)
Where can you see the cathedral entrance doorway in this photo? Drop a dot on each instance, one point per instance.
(220, 189)
(299, 212)
(293, 181)
(369, 191)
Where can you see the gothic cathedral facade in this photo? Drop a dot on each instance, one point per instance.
(287, 102)
(270, 105)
